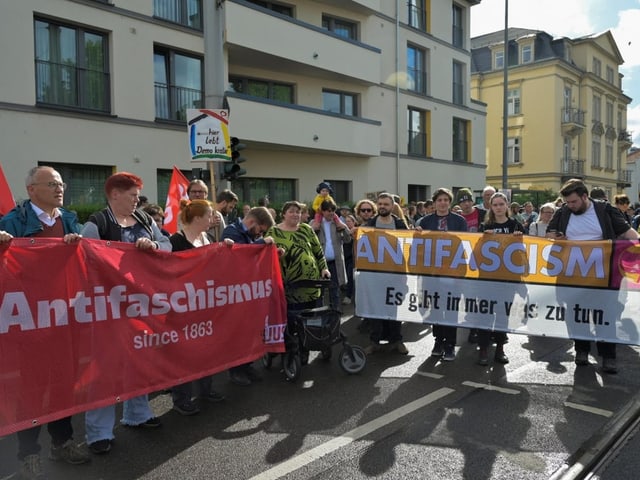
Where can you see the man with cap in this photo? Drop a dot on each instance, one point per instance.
(472, 214)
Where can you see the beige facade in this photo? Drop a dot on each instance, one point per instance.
(567, 109)
(84, 90)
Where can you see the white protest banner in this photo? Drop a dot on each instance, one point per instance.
(527, 285)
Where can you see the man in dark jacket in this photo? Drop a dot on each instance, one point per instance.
(43, 216)
(247, 230)
(390, 330)
(582, 218)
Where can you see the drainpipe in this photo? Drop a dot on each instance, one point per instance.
(397, 95)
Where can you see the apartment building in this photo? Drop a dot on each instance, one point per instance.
(567, 112)
(372, 95)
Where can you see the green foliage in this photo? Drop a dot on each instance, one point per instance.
(83, 211)
(537, 197)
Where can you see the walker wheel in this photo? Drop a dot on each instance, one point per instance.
(352, 359)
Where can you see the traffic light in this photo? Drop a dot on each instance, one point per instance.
(232, 170)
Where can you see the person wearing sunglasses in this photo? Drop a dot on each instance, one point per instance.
(365, 210)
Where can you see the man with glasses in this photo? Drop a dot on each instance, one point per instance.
(247, 230)
(198, 190)
(43, 216)
(390, 330)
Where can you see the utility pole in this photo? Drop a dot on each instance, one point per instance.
(505, 99)
(215, 68)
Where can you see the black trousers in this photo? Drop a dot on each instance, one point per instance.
(605, 349)
(60, 431)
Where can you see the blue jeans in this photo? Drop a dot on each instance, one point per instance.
(99, 423)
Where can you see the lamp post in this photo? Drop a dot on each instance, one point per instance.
(505, 99)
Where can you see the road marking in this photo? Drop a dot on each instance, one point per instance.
(486, 386)
(437, 376)
(320, 451)
(585, 408)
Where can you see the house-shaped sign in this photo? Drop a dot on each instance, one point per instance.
(208, 134)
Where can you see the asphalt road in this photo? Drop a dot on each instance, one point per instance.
(403, 417)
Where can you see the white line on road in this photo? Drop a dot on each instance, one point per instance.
(486, 386)
(437, 376)
(585, 408)
(309, 456)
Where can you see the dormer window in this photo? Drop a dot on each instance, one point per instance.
(526, 53)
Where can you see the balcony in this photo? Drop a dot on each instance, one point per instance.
(364, 6)
(315, 53)
(572, 121)
(625, 139)
(572, 168)
(293, 127)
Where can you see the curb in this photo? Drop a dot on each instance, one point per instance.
(599, 445)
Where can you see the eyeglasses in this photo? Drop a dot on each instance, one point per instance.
(53, 185)
(366, 210)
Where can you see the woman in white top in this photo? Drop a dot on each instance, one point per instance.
(539, 227)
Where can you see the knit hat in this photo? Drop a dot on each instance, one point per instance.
(463, 195)
(326, 185)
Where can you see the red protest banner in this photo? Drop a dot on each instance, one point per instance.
(177, 191)
(88, 325)
(7, 202)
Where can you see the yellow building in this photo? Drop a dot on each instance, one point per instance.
(567, 110)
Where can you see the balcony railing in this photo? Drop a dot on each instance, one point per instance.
(172, 102)
(572, 166)
(573, 115)
(624, 176)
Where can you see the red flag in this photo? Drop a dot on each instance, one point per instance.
(177, 191)
(6, 197)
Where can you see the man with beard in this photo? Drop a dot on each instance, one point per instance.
(390, 330)
(582, 218)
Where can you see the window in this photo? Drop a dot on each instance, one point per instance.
(595, 153)
(72, 67)
(85, 183)
(597, 107)
(279, 92)
(279, 191)
(458, 83)
(184, 12)
(597, 67)
(610, 76)
(513, 101)
(498, 59)
(342, 28)
(417, 125)
(417, 193)
(526, 54)
(609, 121)
(340, 102)
(341, 190)
(417, 14)
(178, 83)
(513, 150)
(460, 140)
(416, 69)
(275, 7)
(608, 154)
(457, 27)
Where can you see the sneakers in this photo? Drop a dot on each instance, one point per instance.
(483, 357)
(31, 468)
(449, 353)
(213, 397)
(101, 446)
(500, 357)
(438, 349)
(239, 378)
(609, 365)
(582, 358)
(399, 347)
(70, 453)
(346, 301)
(153, 422)
(186, 409)
(373, 348)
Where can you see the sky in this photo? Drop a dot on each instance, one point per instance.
(575, 18)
